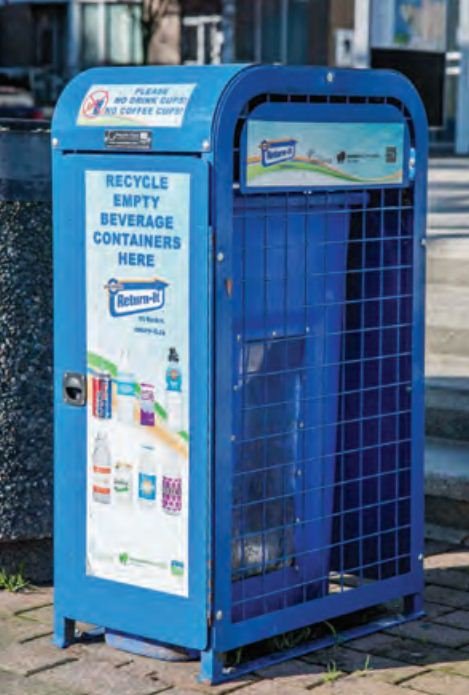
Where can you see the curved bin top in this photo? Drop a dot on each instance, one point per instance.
(181, 108)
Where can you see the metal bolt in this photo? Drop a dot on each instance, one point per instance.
(423, 242)
(308, 329)
(301, 425)
(408, 389)
(219, 615)
(298, 520)
(420, 557)
(238, 337)
(55, 142)
(299, 473)
(274, 333)
(233, 438)
(235, 387)
(220, 256)
(206, 145)
(330, 77)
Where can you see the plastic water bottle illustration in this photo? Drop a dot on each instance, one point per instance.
(171, 495)
(147, 476)
(174, 397)
(125, 381)
(101, 461)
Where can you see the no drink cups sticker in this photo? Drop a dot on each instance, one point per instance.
(161, 105)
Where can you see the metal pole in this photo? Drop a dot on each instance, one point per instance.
(361, 36)
(258, 31)
(284, 34)
(462, 112)
(73, 38)
(228, 29)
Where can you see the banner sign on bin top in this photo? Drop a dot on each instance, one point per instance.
(157, 105)
(287, 154)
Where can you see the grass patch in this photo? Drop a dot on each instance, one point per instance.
(14, 581)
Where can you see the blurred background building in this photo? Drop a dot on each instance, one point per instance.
(42, 44)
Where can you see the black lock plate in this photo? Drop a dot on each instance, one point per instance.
(74, 388)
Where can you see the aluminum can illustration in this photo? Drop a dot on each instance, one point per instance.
(101, 392)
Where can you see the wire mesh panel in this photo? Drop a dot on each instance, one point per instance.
(322, 397)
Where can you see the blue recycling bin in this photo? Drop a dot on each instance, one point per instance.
(238, 357)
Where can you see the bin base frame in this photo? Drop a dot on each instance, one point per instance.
(213, 672)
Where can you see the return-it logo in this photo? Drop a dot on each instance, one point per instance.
(135, 296)
(276, 151)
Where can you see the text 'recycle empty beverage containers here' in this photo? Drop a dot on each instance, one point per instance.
(244, 259)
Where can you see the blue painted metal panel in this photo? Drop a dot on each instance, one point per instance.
(398, 100)
(139, 611)
(196, 127)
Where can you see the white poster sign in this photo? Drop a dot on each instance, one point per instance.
(137, 290)
(139, 105)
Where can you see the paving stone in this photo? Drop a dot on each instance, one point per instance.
(458, 560)
(435, 633)
(10, 602)
(351, 661)
(43, 614)
(295, 673)
(93, 679)
(13, 630)
(12, 684)
(459, 619)
(453, 579)
(433, 547)
(356, 685)
(439, 683)
(434, 610)
(184, 675)
(35, 655)
(267, 687)
(99, 651)
(445, 596)
(406, 650)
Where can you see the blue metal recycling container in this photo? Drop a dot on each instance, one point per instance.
(239, 320)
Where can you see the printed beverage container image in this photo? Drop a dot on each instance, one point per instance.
(101, 392)
(147, 476)
(147, 404)
(123, 482)
(101, 485)
(174, 397)
(125, 381)
(171, 485)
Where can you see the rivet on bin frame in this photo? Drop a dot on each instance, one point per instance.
(220, 256)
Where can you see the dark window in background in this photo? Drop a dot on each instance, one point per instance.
(425, 69)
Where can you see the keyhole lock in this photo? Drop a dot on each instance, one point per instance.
(74, 388)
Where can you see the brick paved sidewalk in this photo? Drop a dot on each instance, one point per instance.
(428, 656)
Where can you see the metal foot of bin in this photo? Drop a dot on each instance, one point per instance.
(211, 667)
(64, 631)
(413, 605)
